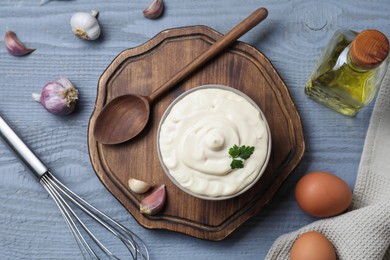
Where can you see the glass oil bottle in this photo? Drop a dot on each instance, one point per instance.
(350, 70)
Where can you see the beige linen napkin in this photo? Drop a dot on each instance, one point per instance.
(363, 233)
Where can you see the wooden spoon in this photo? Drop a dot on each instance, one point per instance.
(124, 117)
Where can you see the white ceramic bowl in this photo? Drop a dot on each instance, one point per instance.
(219, 182)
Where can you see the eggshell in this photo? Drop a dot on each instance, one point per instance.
(312, 246)
(322, 194)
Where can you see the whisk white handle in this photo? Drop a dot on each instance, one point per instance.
(38, 169)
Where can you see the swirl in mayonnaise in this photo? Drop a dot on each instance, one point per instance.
(196, 133)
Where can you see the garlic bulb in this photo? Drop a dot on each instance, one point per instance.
(85, 25)
(58, 97)
(14, 46)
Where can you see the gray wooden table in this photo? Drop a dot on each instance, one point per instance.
(292, 37)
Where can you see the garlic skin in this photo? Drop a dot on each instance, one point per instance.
(85, 25)
(154, 202)
(155, 9)
(58, 97)
(138, 186)
(14, 46)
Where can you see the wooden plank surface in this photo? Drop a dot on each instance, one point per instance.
(292, 38)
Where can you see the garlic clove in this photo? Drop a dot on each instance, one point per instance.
(138, 186)
(154, 203)
(155, 9)
(14, 45)
(58, 97)
(85, 25)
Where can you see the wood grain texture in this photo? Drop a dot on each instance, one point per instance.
(292, 37)
(143, 69)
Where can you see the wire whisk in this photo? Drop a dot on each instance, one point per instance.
(65, 199)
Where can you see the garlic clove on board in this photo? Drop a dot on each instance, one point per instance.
(85, 25)
(155, 9)
(138, 186)
(14, 46)
(153, 203)
(58, 97)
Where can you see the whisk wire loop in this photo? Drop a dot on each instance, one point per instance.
(82, 244)
(68, 209)
(128, 238)
(57, 190)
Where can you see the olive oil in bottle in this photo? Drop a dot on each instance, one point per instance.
(350, 70)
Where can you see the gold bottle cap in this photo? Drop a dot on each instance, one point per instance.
(369, 49)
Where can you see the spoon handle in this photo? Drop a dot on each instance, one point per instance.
(240, 29)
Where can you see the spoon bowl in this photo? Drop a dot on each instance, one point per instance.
(124, 117)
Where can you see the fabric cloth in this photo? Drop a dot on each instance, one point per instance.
(363, 233)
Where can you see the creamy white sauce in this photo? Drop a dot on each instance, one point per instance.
(196, 134)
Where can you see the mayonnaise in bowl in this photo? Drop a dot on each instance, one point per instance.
(194, 137)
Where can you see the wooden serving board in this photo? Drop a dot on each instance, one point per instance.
(141, 70)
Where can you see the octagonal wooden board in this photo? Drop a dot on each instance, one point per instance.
(141, 70)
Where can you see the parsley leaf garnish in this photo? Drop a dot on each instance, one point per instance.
(246, 151)
(239, 154)
(236, 164)
(234, 151)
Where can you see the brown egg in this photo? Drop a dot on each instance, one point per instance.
(312, 246)
(322, 194)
